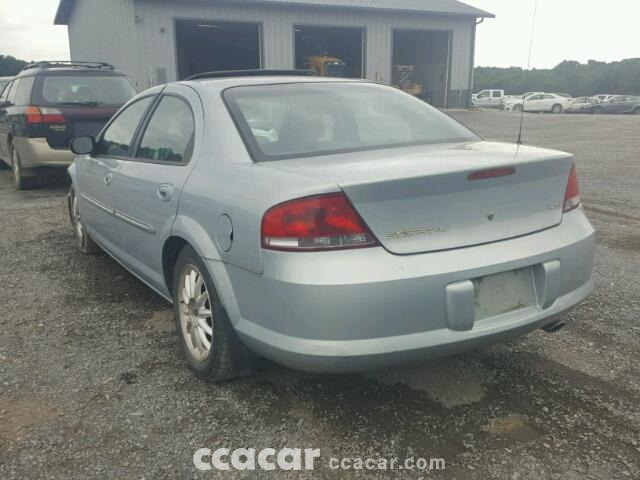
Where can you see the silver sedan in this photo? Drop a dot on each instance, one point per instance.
(329, 225)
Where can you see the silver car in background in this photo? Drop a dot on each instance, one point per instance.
(581, 105)
(329, 225)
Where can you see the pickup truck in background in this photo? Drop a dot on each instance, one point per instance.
(488, 98)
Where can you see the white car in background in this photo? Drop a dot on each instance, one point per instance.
(514, 102)
(488, 98)
(539, 102)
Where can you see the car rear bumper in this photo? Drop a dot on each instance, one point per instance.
(366, 309)
(36, 152)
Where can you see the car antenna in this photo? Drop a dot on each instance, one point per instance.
(526, 73)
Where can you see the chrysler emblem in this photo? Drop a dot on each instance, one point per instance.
(491, 215)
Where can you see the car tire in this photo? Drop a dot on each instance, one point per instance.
(517, 108)
(636, 111)
(86, 244)
(557, 108)
(20, 180)
(210, 344)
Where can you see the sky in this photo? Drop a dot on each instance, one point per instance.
(565, 30)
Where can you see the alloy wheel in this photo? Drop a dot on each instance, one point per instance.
(196, 316)
(15, 166)
(77, 220)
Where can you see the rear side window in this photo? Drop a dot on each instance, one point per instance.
(11, 92)
(118, 136)
(5, 93)
(23, 91)
(91, 90)
(170, 133)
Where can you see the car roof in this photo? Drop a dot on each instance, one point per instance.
(227, 82)
(66, 71)
(66, 67)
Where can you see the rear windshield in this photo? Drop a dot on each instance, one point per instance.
(308, 119)
(105, 90)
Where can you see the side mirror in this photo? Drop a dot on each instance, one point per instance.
(83, 145)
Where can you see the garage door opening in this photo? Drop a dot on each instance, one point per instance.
(330, 51)
(207, 46)
(421, 64)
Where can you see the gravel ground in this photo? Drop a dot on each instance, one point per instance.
(92, 383)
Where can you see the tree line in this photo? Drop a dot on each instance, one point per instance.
(10, 66)
(575, 78)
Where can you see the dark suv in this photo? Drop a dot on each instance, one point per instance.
(48, 104)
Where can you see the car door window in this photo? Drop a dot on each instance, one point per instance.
(483, 94)
(11, 92)
(170, 133)
(496, 94)
(117, 138)
(534, 97)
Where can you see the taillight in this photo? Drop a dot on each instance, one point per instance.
(572, 195)
(323, 222)
(36, 115)
(492, 173)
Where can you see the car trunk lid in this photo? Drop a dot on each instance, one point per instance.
(423, 199)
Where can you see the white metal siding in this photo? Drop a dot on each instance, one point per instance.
(138, 36)
(104, 31)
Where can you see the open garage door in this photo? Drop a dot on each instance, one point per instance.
(421, 64)
(330, 51)
(209, 46)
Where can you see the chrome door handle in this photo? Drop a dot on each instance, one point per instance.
(108, 179)
(165, 192)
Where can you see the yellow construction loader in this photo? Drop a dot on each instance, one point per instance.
(404, 78)
(326, 66)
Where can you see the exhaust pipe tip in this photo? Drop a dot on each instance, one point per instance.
(554, 327)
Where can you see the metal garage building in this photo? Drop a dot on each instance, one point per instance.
(155, 41)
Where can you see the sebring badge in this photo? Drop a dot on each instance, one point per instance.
(418, 232)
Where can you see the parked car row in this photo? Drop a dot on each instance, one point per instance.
(49, 103)
(562, 102)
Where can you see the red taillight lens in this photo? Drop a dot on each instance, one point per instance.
(323, 222)
(37, 115)
(572, 195)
